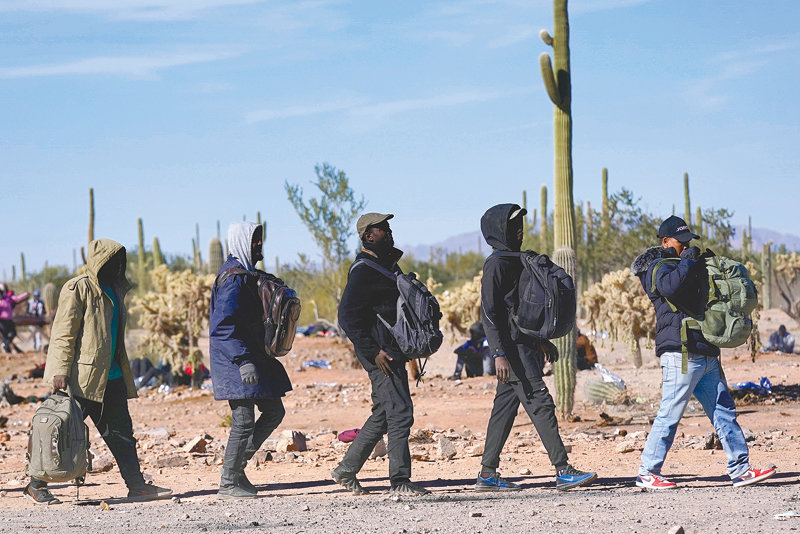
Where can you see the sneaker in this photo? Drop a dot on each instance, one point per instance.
(349, 481)
(753, 476)
(40, 495)
(495, 482)
(454, 377)
(654, 482)
(236, 492)
(407, 489)
(246, 484)
(148, 492)
(572, 478)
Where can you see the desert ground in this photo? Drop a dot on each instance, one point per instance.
(181, 438)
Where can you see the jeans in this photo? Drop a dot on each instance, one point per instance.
(392, 414)
(704, 380)
(248, 434)
(539, 405)
(113, 421)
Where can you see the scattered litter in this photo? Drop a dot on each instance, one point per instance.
(321, 364)
(104, 506)
(348, 435)
(608, 376)
(476, 514)
(764, 387)
(787, 515)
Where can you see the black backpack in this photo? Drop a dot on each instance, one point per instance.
(416, 330)
(281, 309)
(546, 299)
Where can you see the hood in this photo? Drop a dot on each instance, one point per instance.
(240, 239)
(100, 251)
(494, 226)
(646, 258)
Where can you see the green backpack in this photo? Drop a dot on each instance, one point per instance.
(729, 298)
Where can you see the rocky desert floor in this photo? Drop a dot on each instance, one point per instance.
(181, 439)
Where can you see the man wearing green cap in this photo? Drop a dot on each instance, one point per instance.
(369, 293)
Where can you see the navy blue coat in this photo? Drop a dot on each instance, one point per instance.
(671, 279)
(237, 337)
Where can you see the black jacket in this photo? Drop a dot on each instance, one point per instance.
(367, 294)
(499, 287)
(672, 278)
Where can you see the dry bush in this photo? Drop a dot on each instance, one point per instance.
(461, 306)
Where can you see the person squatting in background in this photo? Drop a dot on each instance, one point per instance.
(703, 377)
(781, 341)
(241, 371)
(87, 355)
(474, 354)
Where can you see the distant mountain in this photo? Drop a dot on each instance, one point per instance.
(471, 241)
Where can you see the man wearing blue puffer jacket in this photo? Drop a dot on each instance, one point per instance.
(703, 376)
(241, 371)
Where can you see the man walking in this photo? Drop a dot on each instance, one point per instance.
(87, 354)
(518, 359)
(241, 371)
(369, 293)
(703, 376)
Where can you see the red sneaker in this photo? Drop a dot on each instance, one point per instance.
(753, 476)
(654, 482)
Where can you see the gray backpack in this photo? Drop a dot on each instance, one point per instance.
(58, 442)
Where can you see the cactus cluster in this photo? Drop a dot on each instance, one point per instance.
(50, 298)
(766, 275)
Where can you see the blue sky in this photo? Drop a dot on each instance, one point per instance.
(185, 111)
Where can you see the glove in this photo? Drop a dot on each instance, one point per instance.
(691, 253)
(550, 351)
(249, 374)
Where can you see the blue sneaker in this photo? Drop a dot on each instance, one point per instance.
(495, 482)
(572, 478)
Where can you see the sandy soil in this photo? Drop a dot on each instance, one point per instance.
(298, 495)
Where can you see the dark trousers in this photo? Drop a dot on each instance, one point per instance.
(536, 400)
(113, 421)
(248, 434)
(392, 414)
(9, 331)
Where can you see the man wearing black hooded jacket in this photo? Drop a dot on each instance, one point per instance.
(369, 293)
(518, 359)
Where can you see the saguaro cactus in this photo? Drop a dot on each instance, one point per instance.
(559, 90)
(698, 221)
(141, 260)
(91, 215)
(605, 216)
(766, 274)
(687, 202)
(158, 258)
(524, 205)
(22, 265)
(544, 246)
(215, 258)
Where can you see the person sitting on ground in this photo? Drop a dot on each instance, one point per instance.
(241, 371)
(87, 356)
(700, 375)
(587, 355)
(474, 354)
(8, 301)
(781, 341)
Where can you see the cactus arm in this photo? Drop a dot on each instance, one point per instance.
(549, 79)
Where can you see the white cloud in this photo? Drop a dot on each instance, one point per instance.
(262, 115)
(131, 66)
(514, 35)
(126, 9)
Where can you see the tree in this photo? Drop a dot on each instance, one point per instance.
(330, 219)
(787, 271)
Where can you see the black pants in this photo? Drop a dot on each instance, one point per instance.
(113, 421)
(9, 331)
(392, 414)
(248, 434)
(536, 400)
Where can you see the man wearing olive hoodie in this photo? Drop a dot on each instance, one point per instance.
(241, 371)
(87, 354)
(518, 358)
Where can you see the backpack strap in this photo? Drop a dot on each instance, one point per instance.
(653, 288)
(378, 267)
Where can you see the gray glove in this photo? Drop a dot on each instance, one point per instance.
(550, 351)
(249, 374)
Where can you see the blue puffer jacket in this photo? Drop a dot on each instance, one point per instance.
(237, 337)
(671, 279)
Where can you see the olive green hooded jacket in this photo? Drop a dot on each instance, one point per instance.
(80, 340)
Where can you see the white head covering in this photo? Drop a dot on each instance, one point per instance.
(240, 239)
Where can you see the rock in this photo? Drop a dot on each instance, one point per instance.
(474, 450)
(712, 441)
(262, 457)
(677, 529)
(169, 461)
(748, 434)
(641, 434)
(476, 514)
(626, 446)
(525, 471)
(102, 464)
(198, 444)
(5, 436)
(306, 508)
(379, 450)
(157, 433)
(445, 448)
(421, 454)
(3, 493)
(292, 440)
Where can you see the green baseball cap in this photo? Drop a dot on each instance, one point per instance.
(371, 219)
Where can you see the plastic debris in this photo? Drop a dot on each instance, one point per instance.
(764, 387)
(787, 515)
(321, 364)
(608, 376)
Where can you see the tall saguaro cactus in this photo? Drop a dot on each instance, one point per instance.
(91, 215)
(141, 260)
(698, 221)
(544, 246)
(766, 276)
(158, 258)
(686, 200)
(556, 76)
(22, 266)
(605, 219)
(215, 258)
